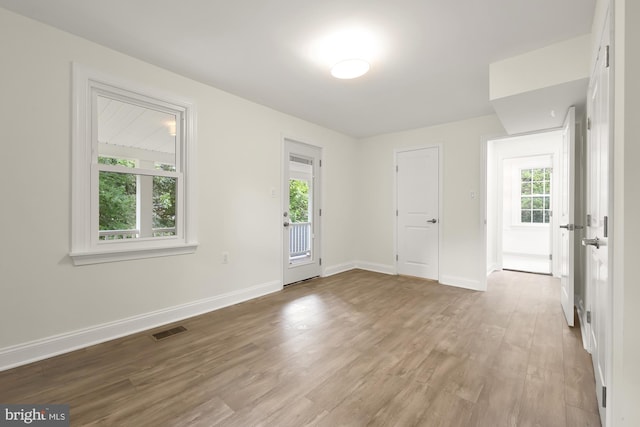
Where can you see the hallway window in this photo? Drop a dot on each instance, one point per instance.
(535, 196)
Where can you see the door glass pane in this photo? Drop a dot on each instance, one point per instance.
(300, 209)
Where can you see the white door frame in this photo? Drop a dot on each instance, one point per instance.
(441, 219)
(318, 197)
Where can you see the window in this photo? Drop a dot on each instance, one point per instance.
(133, 150)
(535, 195)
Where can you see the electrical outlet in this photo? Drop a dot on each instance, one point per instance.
(225, 257)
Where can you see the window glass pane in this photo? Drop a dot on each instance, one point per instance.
(117, 198)
(120, 197)
(538, 188)
(538, 174)
(526, 188)
(127, 163)
(525, 203)
(165, 167)
(299, 200)
(537, 216)
(164, 206)
(547, 174)
(538, 202)
(547, 201)
(546, 216)
(130, 131)
(526, 175)
(526, 216)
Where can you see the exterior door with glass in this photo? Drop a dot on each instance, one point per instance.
(301, 211)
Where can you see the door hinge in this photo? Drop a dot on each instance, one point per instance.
(606, 57)
(320, 261)
(319, 212)
(604, 396)
(606, 226)
(589, 316)
(396, 257)
(588, 123)
(588, 220)
(396, 212)
(396, 168)
(550, 257)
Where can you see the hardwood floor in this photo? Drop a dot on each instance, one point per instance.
(354, 349)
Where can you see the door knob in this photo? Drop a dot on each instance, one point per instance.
(432, 220)
(567, 227)
(591, 242)
(286, 224)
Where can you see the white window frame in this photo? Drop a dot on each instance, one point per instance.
(518, 200)
(86, 248)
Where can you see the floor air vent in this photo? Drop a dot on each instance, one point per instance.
(169, 332)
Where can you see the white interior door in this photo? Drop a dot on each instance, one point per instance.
(418, 223)
(567, 215)
(301, 211)
(597, 232)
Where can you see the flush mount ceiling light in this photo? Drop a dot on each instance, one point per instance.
(348, 52)
(350, 69)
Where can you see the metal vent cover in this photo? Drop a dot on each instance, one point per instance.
(169, 332)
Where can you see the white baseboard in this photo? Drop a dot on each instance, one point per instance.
(44, 348)
(377, 268)
(493, 267)
(584, 326)
(340, 268)
(461, 282)
(363, 265)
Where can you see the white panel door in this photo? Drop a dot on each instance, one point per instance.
(598, 202)
(301, 211)
(567, 214)
(418, 223)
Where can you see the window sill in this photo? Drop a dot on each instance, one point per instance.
(98, 257)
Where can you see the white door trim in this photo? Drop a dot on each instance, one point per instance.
(394, 203)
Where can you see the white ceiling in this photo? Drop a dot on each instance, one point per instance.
(433, 66)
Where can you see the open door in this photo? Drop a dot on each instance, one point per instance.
(301, 211)
(567, 215)
(597, 235)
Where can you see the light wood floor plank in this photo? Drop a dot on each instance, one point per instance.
(354, 349)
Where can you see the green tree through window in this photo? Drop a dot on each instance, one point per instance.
(117, 197)
(535, 195)
(299, 200)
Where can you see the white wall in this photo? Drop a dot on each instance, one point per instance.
(461, 258)
(553, 65)
(239, 162)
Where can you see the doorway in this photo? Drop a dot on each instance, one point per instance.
(520, 197)
(301, 211)
(526, 213)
